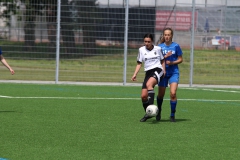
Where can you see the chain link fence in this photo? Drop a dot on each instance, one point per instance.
(91, 40)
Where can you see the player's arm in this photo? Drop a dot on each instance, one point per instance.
(163, 65)
(178, 61)
(138, 67)
(4, 62)
(168, 54)
(162, 60)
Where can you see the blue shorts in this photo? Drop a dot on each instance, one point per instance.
(169, 79)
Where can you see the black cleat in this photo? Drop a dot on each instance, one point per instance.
(158, 117)
(145, 118)
(172, 119)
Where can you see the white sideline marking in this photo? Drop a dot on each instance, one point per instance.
(5, 96)
(213, 90)
(87, 98)
(1, 96)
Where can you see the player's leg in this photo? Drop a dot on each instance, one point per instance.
(173, 100)
(144, 98)
(160, 96)
(148, 96)
(144, 94)
(145, 103)
(161, 92)
(173, 95)
(157, 76)
(150, 88)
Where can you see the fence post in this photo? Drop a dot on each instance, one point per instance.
(125, 41)
(58, 40)
(192, 43)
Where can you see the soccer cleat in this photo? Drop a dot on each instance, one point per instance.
(172, 119)
(158, 117)
(145, 118)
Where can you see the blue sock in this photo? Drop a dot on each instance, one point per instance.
(173, 105)
(159, 104)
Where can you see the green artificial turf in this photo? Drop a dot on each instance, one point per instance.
(72, 122)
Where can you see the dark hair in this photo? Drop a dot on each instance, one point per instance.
(148, 35)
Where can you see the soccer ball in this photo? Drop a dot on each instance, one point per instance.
(152, 110)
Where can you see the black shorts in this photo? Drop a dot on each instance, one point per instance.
(156, 73)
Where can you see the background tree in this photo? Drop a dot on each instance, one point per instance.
(51, 18)
(10, 8)
(30, 13)
(87, 19)
(34, 8)
(67, 27)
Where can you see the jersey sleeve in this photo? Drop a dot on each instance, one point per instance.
(161, 54)
(179, 50)
(139, 57)
(0, 51)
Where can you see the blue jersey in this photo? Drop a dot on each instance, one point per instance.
(0, 51)
(176, 51)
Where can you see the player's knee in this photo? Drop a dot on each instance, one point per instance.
(160, 95)
(161, 92)
(144, 98)
(149, 86)
(173, 95)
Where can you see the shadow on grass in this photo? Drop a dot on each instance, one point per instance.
(7, 111)
(153, 121)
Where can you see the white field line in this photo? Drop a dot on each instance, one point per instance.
(212, 90)
(10, 97)
(96, 98)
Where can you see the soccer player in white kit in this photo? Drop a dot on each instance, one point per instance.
(154, 66)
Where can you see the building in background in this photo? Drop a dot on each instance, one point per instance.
(157, 3)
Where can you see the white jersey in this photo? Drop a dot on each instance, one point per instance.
(152, 59)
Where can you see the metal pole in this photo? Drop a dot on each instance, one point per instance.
(175, 16)
(41, 22)
(125, 41)
(224, 23)
(192, 43)
(58, 40)
(221, 19)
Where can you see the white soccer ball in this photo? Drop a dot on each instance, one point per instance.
(152, 110)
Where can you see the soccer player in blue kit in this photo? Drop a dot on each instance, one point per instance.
(154, 67)
(4, 62)
(172, 53)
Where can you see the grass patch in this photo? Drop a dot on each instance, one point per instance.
(214, 67)
(102, 122)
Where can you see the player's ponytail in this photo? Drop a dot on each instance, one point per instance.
(161, 39)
